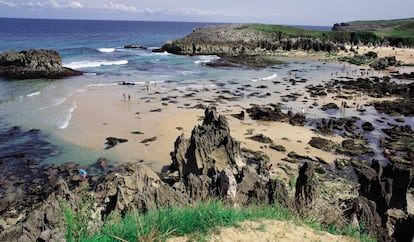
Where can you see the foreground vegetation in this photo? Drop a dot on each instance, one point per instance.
(196, 222)
(390, 32)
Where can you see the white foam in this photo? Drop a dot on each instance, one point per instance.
(102, 85)
(66, 122)
(57, 102)
(86, 64)
(206, 59)
(265, 78)
(106, 50)
(33, 94)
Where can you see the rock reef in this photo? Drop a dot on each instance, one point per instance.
(32, 64)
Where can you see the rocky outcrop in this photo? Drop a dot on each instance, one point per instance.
(382, 205)
(209, 149)
(306, 187)
(35, 63)
(134, 185)
(242, 40)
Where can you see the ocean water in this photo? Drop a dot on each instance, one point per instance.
(96, 48)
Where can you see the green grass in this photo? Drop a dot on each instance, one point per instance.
(196, 222)
(395, 31)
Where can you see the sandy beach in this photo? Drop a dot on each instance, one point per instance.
(161, 112)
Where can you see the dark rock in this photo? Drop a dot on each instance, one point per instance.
(355, 147)
(152, 139)
(329, 106)
(364, 211)
(158, 50)
(35, 63)
(297, 119)
(386, 188)
(112, 141)
(261, 138)
(140, 47)
(267, 114)
(322, 144)
(367, 126)
(306, 187)
(279, 148)
(397, 107)
(209, 148)
(239, 115)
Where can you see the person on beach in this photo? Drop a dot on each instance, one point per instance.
(129, 98)
(83, 173)
(124, 97)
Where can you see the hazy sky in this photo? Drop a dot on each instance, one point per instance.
(295, 12)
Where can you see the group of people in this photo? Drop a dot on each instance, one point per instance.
(125, 97)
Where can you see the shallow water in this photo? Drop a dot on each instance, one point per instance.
(96, 49)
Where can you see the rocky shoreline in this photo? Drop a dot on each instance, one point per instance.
(211, 164)
(239, 42)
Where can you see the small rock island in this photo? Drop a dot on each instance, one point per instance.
(33, 64)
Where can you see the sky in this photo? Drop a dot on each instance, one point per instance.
(290, 12)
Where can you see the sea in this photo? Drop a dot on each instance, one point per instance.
(96, 48)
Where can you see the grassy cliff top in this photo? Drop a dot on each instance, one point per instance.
(399, 28)
(397, 31)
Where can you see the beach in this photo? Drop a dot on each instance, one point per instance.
(156, 113)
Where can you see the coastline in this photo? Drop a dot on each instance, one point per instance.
(165, 111)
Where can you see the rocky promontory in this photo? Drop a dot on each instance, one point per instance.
(32, 64)
(245, 40)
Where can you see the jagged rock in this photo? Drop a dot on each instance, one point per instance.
(35, 63)
(199, 187)
(386, 188)
(134, 185)
(209, 149)
(364, 211)
(44, 220)
(253, 188)
(228, 185)
(306, 187)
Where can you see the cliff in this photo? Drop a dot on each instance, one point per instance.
(35, 63)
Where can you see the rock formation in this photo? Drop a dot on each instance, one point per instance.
(382, 204)
(306, 187)
(35, 63)
(242, 40)
(209, 149)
